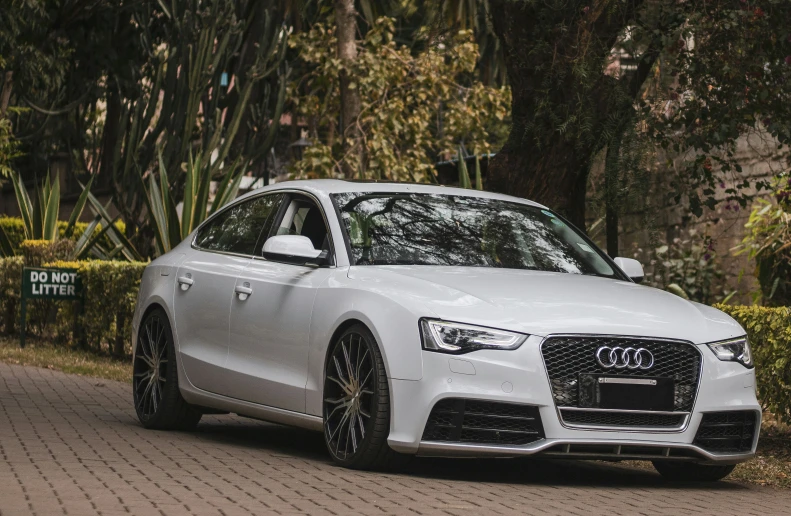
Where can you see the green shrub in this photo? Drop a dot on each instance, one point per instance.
(769, 331)
(10, 287)
(768, 242)
(110, 294)
(38, 252)
(15, 230)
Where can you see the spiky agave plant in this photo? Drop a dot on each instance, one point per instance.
(170, 230)
(40, 216)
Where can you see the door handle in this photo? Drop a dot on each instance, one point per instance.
(185, 282)
(243, 291)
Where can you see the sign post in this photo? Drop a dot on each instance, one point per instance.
(48, 283)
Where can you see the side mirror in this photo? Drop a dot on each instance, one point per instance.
(294, 249)
(632, 268)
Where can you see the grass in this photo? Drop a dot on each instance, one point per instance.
(771, 467)
(41, 353)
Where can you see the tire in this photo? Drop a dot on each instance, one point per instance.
(356, 411)
(158, 402)
(687, 472)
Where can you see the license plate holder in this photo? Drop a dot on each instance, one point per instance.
(626, 392)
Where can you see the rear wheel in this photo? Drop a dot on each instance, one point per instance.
(687, 472)
(155, 383)
(357, 403)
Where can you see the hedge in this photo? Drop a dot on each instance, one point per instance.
(111, 289)
(15, 230)
(110, 293)
(769, 331)
(10, 286)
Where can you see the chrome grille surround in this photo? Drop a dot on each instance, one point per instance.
(567, 356)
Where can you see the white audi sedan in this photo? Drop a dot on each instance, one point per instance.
(403, 319)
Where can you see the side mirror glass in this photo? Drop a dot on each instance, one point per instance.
(632, 268)
(296, 249)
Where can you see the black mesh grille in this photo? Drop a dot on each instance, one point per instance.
(483, 422)
(568, 357)
(597, 418)
(727, 432)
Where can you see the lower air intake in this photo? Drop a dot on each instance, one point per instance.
(727, 432)
(483, 422)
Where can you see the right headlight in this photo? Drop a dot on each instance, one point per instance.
(458, 338)
(734, 350)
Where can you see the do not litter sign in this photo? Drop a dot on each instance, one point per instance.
(50, 283)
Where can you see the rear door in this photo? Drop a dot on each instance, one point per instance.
(205, 287)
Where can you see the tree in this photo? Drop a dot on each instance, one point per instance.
(567, 106)
(416, 107)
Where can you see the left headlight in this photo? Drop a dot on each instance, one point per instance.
(734, 350)
(458, 338)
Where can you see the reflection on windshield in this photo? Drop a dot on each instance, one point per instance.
(433, 229)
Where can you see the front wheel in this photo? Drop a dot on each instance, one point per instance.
(155, 383)
(686, 472)
(357, 403)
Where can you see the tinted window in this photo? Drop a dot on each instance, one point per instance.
(236, 230)
(426, 229)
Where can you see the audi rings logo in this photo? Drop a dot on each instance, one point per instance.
(624, 358)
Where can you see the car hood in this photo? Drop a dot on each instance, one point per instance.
(543, 303)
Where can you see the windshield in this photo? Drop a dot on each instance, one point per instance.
(386, 228)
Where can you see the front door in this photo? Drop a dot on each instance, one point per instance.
(270, 326)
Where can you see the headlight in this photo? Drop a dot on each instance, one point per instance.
(734, 350)
(457, 338)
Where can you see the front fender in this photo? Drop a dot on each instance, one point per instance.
(392, 319)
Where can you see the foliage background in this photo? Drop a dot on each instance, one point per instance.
(417, 106)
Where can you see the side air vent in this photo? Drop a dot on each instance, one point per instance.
(727, 432)
(483, 422)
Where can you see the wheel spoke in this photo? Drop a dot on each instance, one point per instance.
(144, 396)
(367, 377)
(154, 391)
(349, 370)
(362, 425)
(346, 385)
(351, 433)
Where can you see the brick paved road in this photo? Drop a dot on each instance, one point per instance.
(71, 445)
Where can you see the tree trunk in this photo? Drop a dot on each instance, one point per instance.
(611, 195)
(5, 96)
(346, 20)
(555, 60)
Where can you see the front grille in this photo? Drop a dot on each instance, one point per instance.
(566, 357)
(626, 419)
(483, 422)
(727, 432)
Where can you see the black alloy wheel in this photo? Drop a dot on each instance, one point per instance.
(357, 403)
(158, 401)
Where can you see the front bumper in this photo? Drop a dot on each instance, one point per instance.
(519, 377)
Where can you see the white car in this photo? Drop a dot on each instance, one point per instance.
(414, 319)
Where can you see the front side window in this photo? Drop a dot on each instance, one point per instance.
(303, 217)
(432, 229)
(237, 229)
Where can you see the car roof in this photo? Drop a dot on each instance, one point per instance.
(322, 187)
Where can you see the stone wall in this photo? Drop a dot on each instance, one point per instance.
(658, 220)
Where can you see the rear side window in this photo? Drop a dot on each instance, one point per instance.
(237, 229)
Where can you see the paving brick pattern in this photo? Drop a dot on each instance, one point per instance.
(72, 445)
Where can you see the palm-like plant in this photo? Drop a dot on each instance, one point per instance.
(40, 216)
(169, 229)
